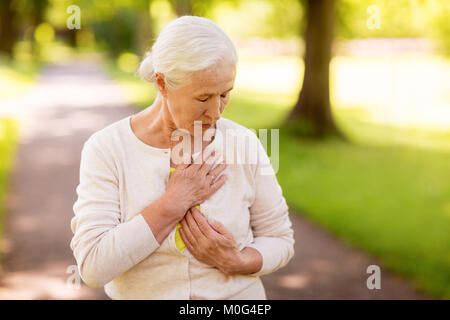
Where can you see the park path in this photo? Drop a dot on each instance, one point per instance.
(69, 103)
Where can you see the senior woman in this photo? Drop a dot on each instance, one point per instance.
(150, 226)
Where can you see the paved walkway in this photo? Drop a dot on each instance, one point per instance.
(64, 108)
(324, 267)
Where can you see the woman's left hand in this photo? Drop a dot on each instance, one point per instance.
(210, 242)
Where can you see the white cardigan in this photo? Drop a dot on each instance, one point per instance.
(114, 247)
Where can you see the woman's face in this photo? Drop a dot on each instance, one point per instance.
(204, 98)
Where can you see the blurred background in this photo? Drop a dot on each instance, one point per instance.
(360, 91)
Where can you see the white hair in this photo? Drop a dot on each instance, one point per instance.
(185, 45)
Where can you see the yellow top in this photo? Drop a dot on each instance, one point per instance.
(178, 241)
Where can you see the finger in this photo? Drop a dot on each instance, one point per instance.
(219, 227)
(193, 227)
(202, 223)
(217, 170)
(218, 184)
(187, 232)
(196, 162)
(209, 160)
(188, 244)
(182, 165)
(197, 157)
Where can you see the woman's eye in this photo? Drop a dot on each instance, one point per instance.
(223, 96)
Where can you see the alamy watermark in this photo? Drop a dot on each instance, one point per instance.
(74, 20)
(73, 282)
(374, 19)
(236, 146)
(374, 280)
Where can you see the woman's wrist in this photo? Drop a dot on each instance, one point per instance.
(172, 208)
(161, 216)
(248, 261)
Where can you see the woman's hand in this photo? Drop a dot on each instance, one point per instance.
(191, 184)
(210, 243)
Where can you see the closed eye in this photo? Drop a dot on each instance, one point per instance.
(223, 96)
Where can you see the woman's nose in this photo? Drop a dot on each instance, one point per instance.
(214, 112)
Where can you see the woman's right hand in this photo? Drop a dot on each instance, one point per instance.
(191, 184)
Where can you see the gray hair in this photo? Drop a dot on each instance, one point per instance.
(185, 45)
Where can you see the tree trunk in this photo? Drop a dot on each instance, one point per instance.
(144, 34)
(312, 110)
(182, 7)
(37, 17)
(8, 28)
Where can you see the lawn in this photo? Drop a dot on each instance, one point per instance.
(8, 141)
(15, 79)
(392, 201)
(388, 189)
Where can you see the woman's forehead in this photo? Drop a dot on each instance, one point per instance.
(213, 80)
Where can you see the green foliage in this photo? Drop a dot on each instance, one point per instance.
(117, 32)
(441, 28)
(400, 18)
(116, 23)
(269, 19)
(8, 141)
(16, 77)
(391, 201)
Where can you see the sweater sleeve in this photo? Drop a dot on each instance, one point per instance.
(269, 218)
(104, 247)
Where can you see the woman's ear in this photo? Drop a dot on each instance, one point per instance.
(161, 84)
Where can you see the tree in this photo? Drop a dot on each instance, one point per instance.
(36, 11)
(8, 27)
(182, 7)
(312, 112)
(144, 27)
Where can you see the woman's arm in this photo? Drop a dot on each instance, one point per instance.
(103, 246)
(269, 218)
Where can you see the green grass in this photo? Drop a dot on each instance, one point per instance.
(16, 77)
(392, 201)
(387, 191)
(376, 193)
(8, 141)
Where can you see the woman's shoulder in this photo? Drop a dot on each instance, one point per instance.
(233, 127)
(243, 140)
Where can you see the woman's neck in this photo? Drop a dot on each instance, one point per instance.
(156, 125)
